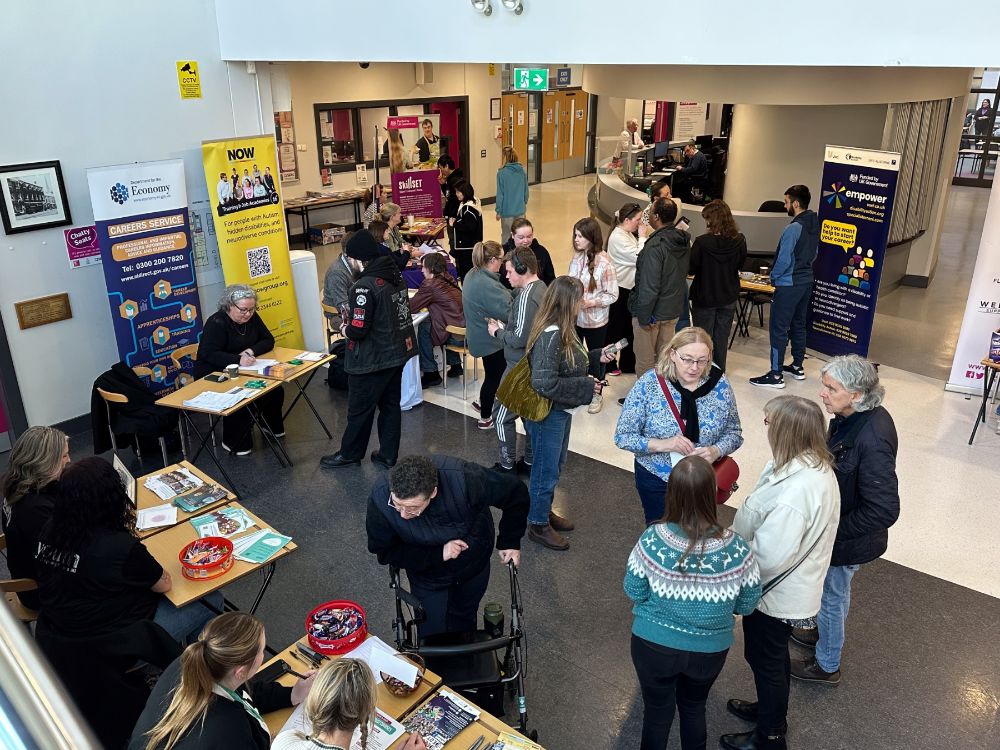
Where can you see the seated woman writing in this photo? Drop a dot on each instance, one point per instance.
(236, 335)
(440, 295)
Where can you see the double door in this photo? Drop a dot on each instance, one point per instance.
(549, 132)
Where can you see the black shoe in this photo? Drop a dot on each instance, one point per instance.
(338, 461)
(805, 638)
(502, 469)
(429, 379)
(769, 380)
(746, 710)
(753, 740)
(379, 460)
(796, 371)
(455, 371)
(810, 671)
(523, 467)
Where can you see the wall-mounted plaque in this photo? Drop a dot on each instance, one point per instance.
(43, 310)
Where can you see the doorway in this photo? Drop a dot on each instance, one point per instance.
(563, 127)
(976, 161)
(12, 418)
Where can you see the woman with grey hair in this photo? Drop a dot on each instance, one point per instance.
(236, 335)
(862, 438)
(392, 215)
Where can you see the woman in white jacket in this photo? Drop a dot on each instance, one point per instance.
(790, 521)
(624, 247)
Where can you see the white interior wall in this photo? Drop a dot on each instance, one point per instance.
(774, 147)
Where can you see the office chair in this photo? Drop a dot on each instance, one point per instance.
(772, 207)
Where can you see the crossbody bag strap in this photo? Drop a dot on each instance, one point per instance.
(778, 579)
(671, 403)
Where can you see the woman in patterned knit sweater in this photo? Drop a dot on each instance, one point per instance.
(687, 576)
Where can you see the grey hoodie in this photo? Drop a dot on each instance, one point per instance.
(522, 316)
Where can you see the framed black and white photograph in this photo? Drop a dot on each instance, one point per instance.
(32, 196)
(494, 109)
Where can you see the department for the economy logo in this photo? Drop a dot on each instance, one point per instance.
(119, 193)
(835, 196)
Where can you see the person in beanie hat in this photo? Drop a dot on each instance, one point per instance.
(380, 340)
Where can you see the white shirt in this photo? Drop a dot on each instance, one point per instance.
(629, 142)
(624, 247)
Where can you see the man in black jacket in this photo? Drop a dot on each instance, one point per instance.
(431, 517)
(449, 176)
(864, 443)
(380, 340)
(522, 234)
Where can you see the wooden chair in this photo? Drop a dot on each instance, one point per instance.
(462, 349)
(12, 586)
(332, 334)
(117, 398)
(143, 372)
(183, 378)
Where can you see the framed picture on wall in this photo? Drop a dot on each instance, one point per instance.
(494, 109)
(32, 196)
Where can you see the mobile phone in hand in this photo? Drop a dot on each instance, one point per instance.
(616, 347)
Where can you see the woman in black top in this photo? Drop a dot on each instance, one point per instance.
(36, 461)
(716, 259)
(468, 225)
(236, 335)
(205, 699)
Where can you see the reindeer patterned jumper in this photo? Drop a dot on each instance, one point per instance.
(688, 602)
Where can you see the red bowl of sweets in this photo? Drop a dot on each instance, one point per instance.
(205, 558)
(337, 626)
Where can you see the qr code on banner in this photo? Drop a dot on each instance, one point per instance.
(259, 261)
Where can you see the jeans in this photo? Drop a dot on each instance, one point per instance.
(788, 321)
(649, 343)
(594, 338)
(550, 442)
(505, 423)
(669, 678)
(833, 615)
(505, 222)
(652, 494)
(452, 609)
(185, 623)
(426, 346)
(365, 393)
(765, 647)
(493, 369)
(718, 321)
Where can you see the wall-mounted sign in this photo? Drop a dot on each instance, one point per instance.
(82, 246)
(188, 79)
(41, 311)
(563, 76)
(531, 79)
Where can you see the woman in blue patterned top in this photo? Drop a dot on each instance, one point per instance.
(707, 407)
(687, 576)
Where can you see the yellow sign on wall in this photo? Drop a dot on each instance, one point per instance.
(188, 79)
(241, 174)
(492, 69)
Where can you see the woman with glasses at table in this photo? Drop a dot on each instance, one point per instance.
(236, 335)
(647, 427)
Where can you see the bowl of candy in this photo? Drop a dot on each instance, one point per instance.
(208, 557)
(336, 627)
(398, 687)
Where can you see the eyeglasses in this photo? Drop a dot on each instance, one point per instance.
(246, 310)
(766, 421)
(687, 361)
(407, 510)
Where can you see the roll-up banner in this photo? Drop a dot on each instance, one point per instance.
(855, 210)
(241, 174)
(141, 215)
(414, 149)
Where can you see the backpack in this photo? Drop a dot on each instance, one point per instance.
(337, 378)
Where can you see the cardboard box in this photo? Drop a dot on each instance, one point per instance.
(326, 234)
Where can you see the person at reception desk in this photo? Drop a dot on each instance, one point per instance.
(236, 335)
(692, 175)
(630, 140)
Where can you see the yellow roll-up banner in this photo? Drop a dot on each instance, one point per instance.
(250, 225)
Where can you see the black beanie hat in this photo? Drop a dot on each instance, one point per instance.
(362, 246)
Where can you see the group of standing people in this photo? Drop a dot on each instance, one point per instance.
(233, 188)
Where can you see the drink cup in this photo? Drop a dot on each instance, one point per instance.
(232, 371)
(410, 219)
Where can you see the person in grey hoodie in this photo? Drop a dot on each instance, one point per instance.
(661, 270)
(522, 272)
(512, 192)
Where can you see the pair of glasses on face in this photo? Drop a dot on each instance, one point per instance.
(687, 361)
(406, 510)
(246, 310)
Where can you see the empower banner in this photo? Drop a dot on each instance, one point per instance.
(855, 210)
(413, 168)
(141, 215)
(250, 228)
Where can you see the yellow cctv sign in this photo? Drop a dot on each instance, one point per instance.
(188, 79)
(838, 233)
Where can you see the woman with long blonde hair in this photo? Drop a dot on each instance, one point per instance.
(205, 699)
(559, 372)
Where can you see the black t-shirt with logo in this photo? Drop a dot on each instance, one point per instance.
(101, 588)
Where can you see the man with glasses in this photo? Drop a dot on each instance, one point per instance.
(431, 516)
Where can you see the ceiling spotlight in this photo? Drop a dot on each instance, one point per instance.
(514, 5)
(483, 6)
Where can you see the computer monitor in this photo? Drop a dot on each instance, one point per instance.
(704, 143)
(660, 149)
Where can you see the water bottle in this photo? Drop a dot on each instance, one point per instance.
(493, 619)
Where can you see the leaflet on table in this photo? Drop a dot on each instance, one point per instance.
(364, 652)
(225, 522)
(309, 356)
(394, 666)
(441, 718)
(508, 741)
(172, 483)
(213, 401)
(199, 498)
(158, 515)
(258, 366)
(260, 546)
(382, 733)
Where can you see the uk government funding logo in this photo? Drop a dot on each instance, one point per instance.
(119, 193)
(836, 195)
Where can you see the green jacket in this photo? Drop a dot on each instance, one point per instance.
(483, 296)
(661, 276)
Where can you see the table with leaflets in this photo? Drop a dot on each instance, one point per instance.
(147, 501)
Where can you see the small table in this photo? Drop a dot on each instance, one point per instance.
(427, 230)
(146, 498)
(284, 354)
(486, 725)
(989, 380)
(176, 400)
(748, 287)
(393, 705)
(166, 546)
(414, 276)
(301, 207)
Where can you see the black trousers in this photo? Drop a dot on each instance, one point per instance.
(765, 646)
(451, 609)
(493, 366)
(620, 327)
(670, 678)
(236, 432)
(463, 261)
(365, 393)
(594, 338)
(718, 322)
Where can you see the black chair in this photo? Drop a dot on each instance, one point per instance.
(772, 207)
(717, 173)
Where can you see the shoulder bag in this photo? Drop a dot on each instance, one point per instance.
(782, 576)
(515, 392)
(727, 471)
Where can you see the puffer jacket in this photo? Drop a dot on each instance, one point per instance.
(558, 377)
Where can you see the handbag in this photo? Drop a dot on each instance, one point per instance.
(515, 392)
(727, 471)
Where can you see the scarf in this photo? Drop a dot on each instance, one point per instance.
(689, 402)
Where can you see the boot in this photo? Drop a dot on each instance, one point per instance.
(546, 536)
(805, 638)
(753, 740)
(746, 710)
(560, 523)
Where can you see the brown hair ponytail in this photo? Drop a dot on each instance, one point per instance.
(590, 230)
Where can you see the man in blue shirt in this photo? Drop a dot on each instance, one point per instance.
(792, 278)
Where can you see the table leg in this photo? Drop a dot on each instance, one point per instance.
(302, 394)
(305, 223)
(276, 447)
(213, 420)
(357, 212)
(988, 380)
(268, 575)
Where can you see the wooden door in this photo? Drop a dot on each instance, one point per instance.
(577, 102)
(514, 123)
(550, 141)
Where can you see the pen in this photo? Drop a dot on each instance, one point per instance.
(291, 671)
(478, 743)
(299, 658)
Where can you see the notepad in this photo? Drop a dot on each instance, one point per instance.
(213, 401)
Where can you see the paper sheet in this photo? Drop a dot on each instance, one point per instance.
(158, 515)
(258, 366)
(394, 666)
(381, 735)
(309, 356)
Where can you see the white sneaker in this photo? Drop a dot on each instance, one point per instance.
(238, 453)
(596, 403)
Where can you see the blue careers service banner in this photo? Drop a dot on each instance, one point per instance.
(855, 210)
(141, 215)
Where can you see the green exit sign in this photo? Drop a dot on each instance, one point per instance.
(531, 79)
